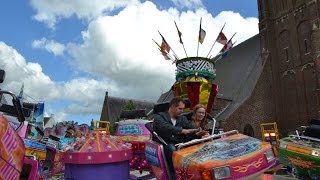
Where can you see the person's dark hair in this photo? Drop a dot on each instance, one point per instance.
(175, 101)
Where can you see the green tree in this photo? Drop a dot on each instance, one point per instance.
(130, 106)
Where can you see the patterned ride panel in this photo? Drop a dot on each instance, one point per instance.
(11, 151)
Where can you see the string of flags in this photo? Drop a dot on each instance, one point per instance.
(165, 48)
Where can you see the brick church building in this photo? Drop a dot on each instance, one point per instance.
(275, 75)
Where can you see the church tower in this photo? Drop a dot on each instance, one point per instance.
(289, 32)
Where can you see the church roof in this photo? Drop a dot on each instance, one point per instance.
(113, 106)
(238, 73)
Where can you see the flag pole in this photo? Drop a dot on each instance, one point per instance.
(198, 49)
(168, 45)
(180, 38)
(199, 36)
(233, 35)
(185, 50)
(215, 40)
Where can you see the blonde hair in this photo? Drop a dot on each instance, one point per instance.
(204, 123)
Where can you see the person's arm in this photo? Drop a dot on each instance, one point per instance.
(188, 126)
(165, 128)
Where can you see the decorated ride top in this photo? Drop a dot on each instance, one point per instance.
(194, 80)
(195, 67)
(99, 148)
(133, 130)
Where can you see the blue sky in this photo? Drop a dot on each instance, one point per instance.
(69, 54)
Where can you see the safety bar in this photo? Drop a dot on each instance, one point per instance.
(17, 105)
(305, 137)
(150, 128)
(213, 124)
(196, 141)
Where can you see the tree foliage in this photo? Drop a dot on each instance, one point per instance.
(130, 106)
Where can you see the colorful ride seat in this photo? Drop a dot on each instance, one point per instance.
(155, 156)
(156, 159)
(30, 169)
(49, 161)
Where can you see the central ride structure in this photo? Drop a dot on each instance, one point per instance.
(194, 80)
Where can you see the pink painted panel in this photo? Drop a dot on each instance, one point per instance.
(13, 121)
(33, 175)
(12, 151)
(132, 127)
(155, 158)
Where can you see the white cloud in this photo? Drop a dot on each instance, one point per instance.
(49, 45)
(51, 11)
(191, 4)
(84, 90)
(39, 86)
(120, 47)
(18, 71)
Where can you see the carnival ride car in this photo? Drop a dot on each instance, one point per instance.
(270, 133)
(228, 155)
(131, 129)
(301, 152)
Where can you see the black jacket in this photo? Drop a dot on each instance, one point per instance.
(171, 134)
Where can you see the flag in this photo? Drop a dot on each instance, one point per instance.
(179, 33)
(224, 51)
(20, 96)
(162, 51)
(164, 54)
(164, 45)
(222, 39)
(202, 34)
(228, 45)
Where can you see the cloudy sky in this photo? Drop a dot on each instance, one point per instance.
(69, 53)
